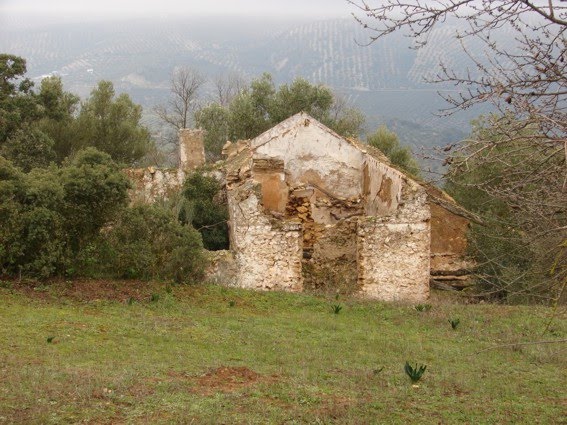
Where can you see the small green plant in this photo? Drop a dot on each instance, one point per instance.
(168, 289)
(130, 300)
(231, 303)
(50, 339)
(454, 323)
(337, 308)
(415, 373)
(154, 298)
(423, 307)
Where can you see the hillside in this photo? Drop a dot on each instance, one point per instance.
(132, 352)
(384, 79)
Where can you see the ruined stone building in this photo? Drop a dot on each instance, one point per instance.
(311, 209)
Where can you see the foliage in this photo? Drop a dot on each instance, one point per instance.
(337, 308)
(522, 204)
(58, 121)
(215, 118)
(261, 105)
(50, 214)
(95, 191)
(32, 235)
(454, 323)
(18, 105)
(415, 373)
(148, 242)
(423, 307)
(387, 142)
(112, 125)
(28, 148)
(206, 211)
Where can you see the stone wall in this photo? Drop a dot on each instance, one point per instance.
(150, 184)
(267, 251)
(393, 251)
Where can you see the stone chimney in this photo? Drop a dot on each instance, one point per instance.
(191, 148)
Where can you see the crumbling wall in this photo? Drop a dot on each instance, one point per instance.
(267, 249)
(331, 264)
(393, 251)
(150, 184)
(449, 265)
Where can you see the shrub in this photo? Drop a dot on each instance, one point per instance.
(206, 211)
(148, 242)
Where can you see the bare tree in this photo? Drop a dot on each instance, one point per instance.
(529, 81)
(185, 86)
(520, 159)
(227, 87)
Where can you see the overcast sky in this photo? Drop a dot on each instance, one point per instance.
(163, 8)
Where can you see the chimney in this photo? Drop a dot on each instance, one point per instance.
(191, 148)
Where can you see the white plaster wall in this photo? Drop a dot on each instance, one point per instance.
(313, 154)
(377, 173)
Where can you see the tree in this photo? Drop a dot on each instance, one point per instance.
(185, 86)
(59, 117)
(387, 141)
(261, 105)
(29, 148)
(525, 83)
(519, 249)
(18, 104)
(95, 190)
(227, 87)
(112, 125)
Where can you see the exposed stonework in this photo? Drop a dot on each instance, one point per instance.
(393, 251)
(191, 149)
(151, 183)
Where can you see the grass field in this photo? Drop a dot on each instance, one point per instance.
(108, 352)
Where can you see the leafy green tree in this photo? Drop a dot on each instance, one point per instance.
(387, 141)
(205, 211)
(18, 104)
(32, 237)
(149, 242)
(59, 112)
(262, 105)
(215, 118)
(112, 124)
(29, 148)
(95, 190)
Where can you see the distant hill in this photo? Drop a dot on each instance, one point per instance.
(383, 79)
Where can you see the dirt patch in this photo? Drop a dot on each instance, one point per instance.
(227, 379)
(334, 407)
(86, 289)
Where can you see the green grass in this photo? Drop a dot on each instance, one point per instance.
(217, 355)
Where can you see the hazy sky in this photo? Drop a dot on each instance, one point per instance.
(163, 8)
